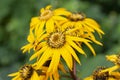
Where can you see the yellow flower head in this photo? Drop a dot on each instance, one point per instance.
(106, 75)
(85, 27)
(27, 72)
(81, 21)
(59, 44)
(48, 18)
(116, 60)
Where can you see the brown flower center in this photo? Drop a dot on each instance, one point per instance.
(46, 15)
(100, 76)
(56, 40)
(26, 72)
(76, 17)
(118, 60)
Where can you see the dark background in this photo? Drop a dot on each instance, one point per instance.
(15, 16)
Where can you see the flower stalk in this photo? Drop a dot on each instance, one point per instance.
(73, 72)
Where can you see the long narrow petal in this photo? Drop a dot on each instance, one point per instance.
(27, 48)
(50, 25)
(56, 75)
(67, 57)
(91, 48)
(48, 7)
(34, 21)
(94, 27)
(77, 39)
(45, 56)
(34, 76)
(17, 78)
(40, 38)
(38, 53)
(59, 18)
(31, 37)
(42, 10)
(70, 49)
(42, 24)
(88, 27)
(111, 69)
(55, 61)
(61, 11)
(13, 74)
(76, 47)
(91, 21)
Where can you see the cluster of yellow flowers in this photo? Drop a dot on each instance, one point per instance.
(110, 73)
(56, 34)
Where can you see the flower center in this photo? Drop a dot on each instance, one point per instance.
(77, 17)
(56, 40)
(46, 15)
(118, 60)
(26, 72)
(100, 76)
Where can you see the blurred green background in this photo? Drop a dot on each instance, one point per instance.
(15, 16)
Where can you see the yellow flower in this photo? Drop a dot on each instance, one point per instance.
(48, 18)
(103, 74)
(27, 72)
(116, 60)
(109, 78)
(85, 26)
(58, 44)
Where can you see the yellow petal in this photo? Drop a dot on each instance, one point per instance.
(48, 7)
(55, 61)
(34, 21)
(61, 11)
(91, 48)
(56, 75)
(67, 57)
(40, 38)
(42, 10)
(94, 27)
(50, 25)
(18, 77)
(31, 37)
(39, 32)
(34, 76)
(77, 39)
(14, 74)
(59, 18)
(70, 49)
(111, 69)
(61, 67)
(89, 78)
(88, 27)
(92, 37)
(45, 56)
(38, 53)
(42, 24)
(27, 48)
(112, 58)
(76, 47)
